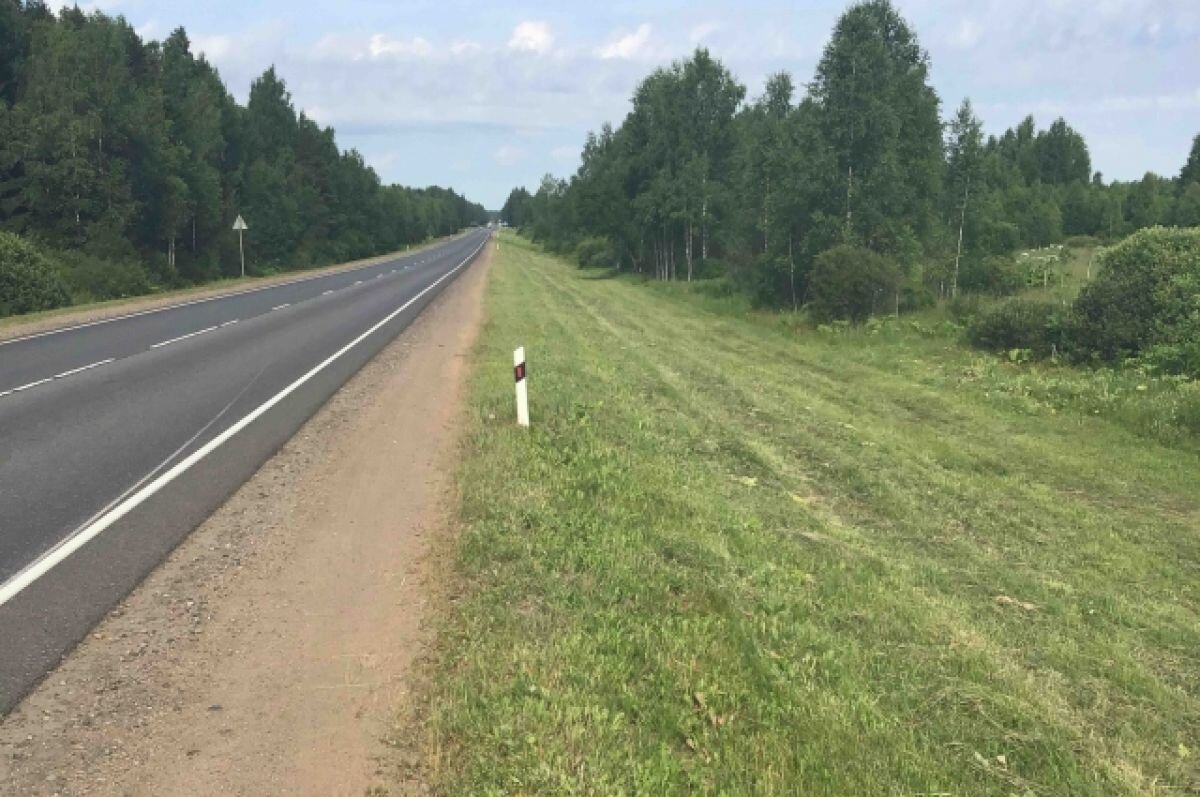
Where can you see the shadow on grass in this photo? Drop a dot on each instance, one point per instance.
(600, 273)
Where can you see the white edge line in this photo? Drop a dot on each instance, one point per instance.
(229, 295)
(32, 384)
(160, 344)
(74, 371)
(43, 565)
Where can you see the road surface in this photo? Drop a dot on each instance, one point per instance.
(118, 438)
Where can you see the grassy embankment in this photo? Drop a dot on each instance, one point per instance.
(738, 557)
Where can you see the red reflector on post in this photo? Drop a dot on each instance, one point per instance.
(519, 372)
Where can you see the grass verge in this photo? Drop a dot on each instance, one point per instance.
(733, 558)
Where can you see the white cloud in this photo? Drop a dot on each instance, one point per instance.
(532, 36)
(382, 45)
(702, 31)
(631, 45)
(465, 47)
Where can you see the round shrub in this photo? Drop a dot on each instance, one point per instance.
(595, 252)
(29, 281)
(1036, 327)
(1145, 294)
(852, 283)
(995, 274)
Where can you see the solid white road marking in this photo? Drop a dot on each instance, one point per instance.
(182, 337)
(52, 558)
(32, 384)
(74, 371)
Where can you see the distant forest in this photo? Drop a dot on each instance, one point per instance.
(697, 182)
(125, 162)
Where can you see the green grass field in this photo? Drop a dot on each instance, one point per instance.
(737, 556)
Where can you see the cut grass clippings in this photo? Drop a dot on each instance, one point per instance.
(735, 558)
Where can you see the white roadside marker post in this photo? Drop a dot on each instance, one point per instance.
(522, 388)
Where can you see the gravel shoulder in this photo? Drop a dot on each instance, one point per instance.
(267, 655)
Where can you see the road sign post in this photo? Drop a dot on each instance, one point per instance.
(241, 226)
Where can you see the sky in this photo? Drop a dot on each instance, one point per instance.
(486, 96)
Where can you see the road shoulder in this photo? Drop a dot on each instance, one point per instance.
(267, 654)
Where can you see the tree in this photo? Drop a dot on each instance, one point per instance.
(1191, 170)
(964, 150)
(879, 114)
(132, 159)
(1062, 155)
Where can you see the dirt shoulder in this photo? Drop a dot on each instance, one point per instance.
(267, 654)
(20, 326)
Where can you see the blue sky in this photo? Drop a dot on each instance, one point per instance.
(485, 96)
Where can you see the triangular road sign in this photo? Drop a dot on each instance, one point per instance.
(240, 224)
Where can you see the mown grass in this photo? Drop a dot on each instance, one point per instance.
(733, 557)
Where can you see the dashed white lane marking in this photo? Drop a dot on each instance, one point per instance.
(182, 337)
(326, 293)
(230, 323)
(358, 282)
(63, 375)
(74, 371)
(378, 276)
(281, 306)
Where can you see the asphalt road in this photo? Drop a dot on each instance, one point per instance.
(118, 438)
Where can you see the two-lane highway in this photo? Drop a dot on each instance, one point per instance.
(118, 438)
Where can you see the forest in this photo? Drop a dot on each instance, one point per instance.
(124, 162)
(856, 197)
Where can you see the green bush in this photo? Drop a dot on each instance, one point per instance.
(995, 274)
(965, 307)
(94, 279)
(98, 279)
(1145, 297)
(853, 283)
(1019, 325)
(29, 281)
(595, 252)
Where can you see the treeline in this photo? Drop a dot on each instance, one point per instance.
(128, 160)
(850, 198)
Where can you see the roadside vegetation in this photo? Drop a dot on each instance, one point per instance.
(736, 554)
(859, 197)
(125, 162)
